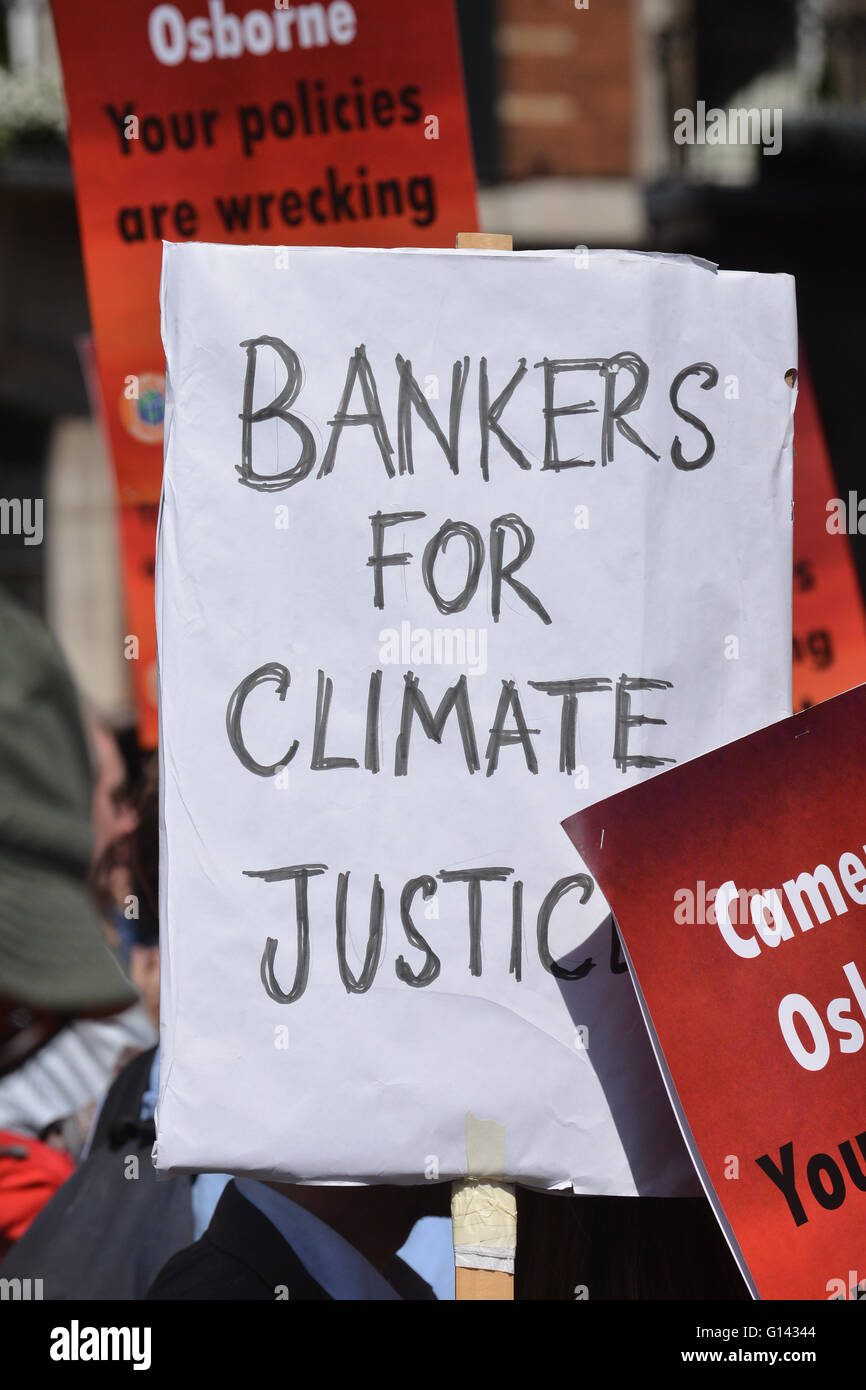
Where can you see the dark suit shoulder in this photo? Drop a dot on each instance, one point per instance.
(240, 1256)
(203, 1271)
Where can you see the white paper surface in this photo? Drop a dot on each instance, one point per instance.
(644, 569)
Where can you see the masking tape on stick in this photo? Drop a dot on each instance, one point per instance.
(484, 1213)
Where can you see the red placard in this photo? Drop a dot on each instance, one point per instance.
(138, 541)
(215, 120)
(307, 124)
(759, 1028)
(829, 638)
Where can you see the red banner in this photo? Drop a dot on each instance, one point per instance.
(212, 120)
(829, 637)
(739, 885)
(138, 541)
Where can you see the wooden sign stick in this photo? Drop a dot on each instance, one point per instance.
(483, 1214)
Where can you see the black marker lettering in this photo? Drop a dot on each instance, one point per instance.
(271, 671)
(474, 878)
(500, 737)
(475, 558)
(618, 964)
(559, 890)
(318, 762)
(552, 412)
(630, 362)
(377, 561)
(299, 874)
(457, 695)
(569, 691)
(432, 965)
(277, 409)
(374, 936)
(712, 375)
(498, 571)
(515, 964)
(359, 369)
(490, 416)
(409, 395)
(371, 741)
(625, 720)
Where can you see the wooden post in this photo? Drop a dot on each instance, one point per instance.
(483, 1285)
(484, 241)
(477, 1205)
(484, 1222)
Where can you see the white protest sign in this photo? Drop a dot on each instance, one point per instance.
(452, 544)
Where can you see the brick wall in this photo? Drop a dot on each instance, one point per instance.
(566, 87)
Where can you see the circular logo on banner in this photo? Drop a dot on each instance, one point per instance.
(142, 407)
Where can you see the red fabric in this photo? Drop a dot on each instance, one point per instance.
(27, 1181)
